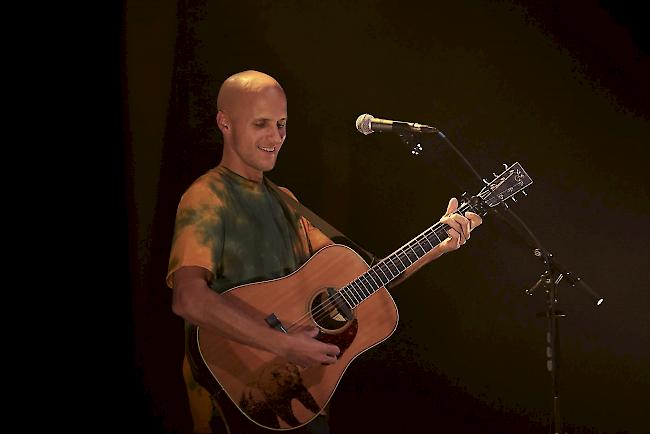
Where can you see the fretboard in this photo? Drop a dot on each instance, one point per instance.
(382, 273)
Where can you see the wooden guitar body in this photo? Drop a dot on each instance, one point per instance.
(269, 390)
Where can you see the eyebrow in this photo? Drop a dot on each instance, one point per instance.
(268, 119)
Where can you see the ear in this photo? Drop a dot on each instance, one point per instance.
(223, 123)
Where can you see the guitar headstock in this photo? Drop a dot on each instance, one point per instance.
(504, 186)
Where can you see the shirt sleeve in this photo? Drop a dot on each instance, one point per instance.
(198, 232)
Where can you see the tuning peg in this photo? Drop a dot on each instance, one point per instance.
(506, 205)
(513, 199)
(505, 166)
(486, 182)
(494, 174)
(524, 192)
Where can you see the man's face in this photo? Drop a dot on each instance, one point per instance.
(258, 129)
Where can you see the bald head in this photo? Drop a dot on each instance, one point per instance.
(252, 117)
(238, 88)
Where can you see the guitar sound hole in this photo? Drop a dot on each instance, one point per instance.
(330, 311)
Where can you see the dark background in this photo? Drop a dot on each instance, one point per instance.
(561, 87)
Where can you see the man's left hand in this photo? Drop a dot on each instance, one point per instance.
(460, 226)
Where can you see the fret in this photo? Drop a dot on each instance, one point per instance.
(441, 233)
(404, 267)
(406, 256)
(434, 232)
(352, 293)
(366, 284)
(426, 237)
(374, 270)
(390, 258)
(374, 281)
(347, 297)
(415, 255)
(360, 292)
(357, 288)
(382, 266)
(424, 248)
(420, 247)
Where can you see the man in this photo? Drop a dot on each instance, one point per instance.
(231, 229)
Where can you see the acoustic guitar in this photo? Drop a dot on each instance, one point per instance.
(336, 291)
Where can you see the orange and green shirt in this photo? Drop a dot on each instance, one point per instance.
(241, 232)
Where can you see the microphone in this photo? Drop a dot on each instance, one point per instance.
(367, 124)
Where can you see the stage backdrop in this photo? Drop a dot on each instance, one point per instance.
(561, 88)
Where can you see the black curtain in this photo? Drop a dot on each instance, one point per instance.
(561, 88)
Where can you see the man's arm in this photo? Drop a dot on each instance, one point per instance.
(459, 233)
(197, 303)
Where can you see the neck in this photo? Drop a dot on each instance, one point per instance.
(245, 172)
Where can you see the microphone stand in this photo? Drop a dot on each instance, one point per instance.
(553, 273)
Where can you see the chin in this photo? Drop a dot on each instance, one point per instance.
(266, 167)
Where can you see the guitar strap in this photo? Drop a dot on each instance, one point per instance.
(330, 231)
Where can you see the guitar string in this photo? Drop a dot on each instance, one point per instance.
(324, 309)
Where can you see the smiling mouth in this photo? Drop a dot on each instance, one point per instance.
(271, 149)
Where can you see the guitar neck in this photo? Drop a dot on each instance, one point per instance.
(504, 186)
(389, 268)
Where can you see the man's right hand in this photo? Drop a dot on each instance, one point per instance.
(304, 350)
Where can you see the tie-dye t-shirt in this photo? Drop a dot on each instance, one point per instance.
(242, 232)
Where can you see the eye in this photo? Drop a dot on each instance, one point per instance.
(282, 124)
(260, 124)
